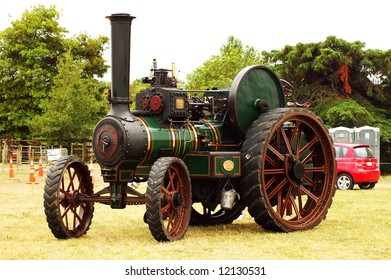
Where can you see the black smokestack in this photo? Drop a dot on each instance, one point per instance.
(120, 65)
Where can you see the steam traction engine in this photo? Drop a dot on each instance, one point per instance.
(204, 159)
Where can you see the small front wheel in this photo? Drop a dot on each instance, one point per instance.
(344, 182)
(66, 215)
(168, 199)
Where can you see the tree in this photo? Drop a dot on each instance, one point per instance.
(345, 113)
(338, 77)
(29, 52)
(74, 106)
(220, 70)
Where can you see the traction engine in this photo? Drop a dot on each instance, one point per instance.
(204, 159)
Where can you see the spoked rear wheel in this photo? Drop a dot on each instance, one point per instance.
(289, 170)
(66, 216)
(168, 199)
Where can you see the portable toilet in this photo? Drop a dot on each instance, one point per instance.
(342, 134)
(369, 135)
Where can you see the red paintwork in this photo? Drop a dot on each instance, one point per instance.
(363, 170)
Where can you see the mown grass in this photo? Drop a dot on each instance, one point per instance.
(357, 227)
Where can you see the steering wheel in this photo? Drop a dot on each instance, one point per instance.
(287, 87)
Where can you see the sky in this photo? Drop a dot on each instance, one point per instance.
(187, 32)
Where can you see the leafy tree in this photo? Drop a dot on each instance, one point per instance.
(345, 113)
(29, 52)
(347, 84)
(89, 52)
(74, 106)
(28, 57)
(220, 70)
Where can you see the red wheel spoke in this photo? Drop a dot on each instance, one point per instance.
(279, 202)
(286, 141)
(274, 171)
(76, 216)
(308, 157)
(166, 191)
(277, 188)
(71, 178)
(309, 193)
(309, 181)
(66, 210)
(287, 202)
(277, 153)
(171, 176)
(315, 169)
(282, 203)
(270, 161)
(165, 208)
(298, 140)
(170, 221)
(294, 205)
(299, 198)
(270, 182)
(309, 145)
(66, 220)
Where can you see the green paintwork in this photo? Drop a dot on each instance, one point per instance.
(252, 85)
(198, 164)
(178, 141)
(210, 164)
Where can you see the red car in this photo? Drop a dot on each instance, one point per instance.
(356, 164)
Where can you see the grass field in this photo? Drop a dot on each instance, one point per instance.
(357, 227)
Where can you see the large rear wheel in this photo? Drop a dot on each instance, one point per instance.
(289, 170)
(66, 216)
(168, 199)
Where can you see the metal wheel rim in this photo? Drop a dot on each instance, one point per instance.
(174, 217)
(75, 215)
(298, 205)
(343, 183)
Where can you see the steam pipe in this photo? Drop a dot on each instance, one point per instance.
(120, 65)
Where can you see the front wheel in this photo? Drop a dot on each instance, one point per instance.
(168, 199)
(344, 182)
(66, 216)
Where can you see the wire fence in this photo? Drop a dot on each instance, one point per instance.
(24, 152)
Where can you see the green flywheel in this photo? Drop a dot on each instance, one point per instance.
(254, 90)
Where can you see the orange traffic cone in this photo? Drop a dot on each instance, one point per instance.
(40, 169)
(32, 175)
(92, 172)
(11, 175)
